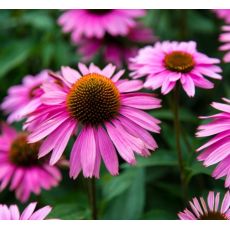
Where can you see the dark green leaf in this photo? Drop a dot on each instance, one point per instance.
(14, 54)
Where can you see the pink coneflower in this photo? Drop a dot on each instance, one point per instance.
(102, 111)
(96, 23)
(225, 38)
(12, 212)
(210, 210)
(24, 97)
(20, 167)
(217, 150)
(116, 49)
(167, 63)
(223, 14)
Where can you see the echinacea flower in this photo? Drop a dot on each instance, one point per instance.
(103, 112)
(167, 63)
(208, 210)
(225, 38)
(116, 49)
(12, 212)
(217, 150)
(24, 97)
(223, 14)
(95, 23)
(20, 167)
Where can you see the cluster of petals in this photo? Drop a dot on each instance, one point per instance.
(207, 210)
(12, 212)
(225, 38)
(96, 23)
(150, 62)
(24, 180)
(127, 133)
(217, 150)
(116, 50)
(223, 14)
(24, 98)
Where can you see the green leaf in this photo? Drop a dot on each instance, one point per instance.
(197, 168)
(117, 185)
(170, 188)
(166, 114)
(64, 54)
(159, 215)
(161, 157)
(14, 54)
(38, 19)
(47, 53)
(69, 212)
(200, 23)
(130, 204)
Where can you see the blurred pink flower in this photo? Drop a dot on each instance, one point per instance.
(102, 111)
(96, 23)
(225, 38)
(217, 150)
(12, 212)
(167, 63)
(24, 98)
(223, 14)
(116, 49)
(209, 210)
(20, 167)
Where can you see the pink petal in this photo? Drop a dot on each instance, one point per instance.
(41, 213)
(75, 156)
(189, 86)
(46, 128)
(70, 74)
(226, 203)
(62, 143)
(121, 145)
(211, 198)
(15, 215)
(125, 86)
(141, 118)
(88, 151)
(141, 101)
(28, 211)
(108, 151)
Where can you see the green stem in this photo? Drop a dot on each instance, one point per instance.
(177, 139)
(92, 198)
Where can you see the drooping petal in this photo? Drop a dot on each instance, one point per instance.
(107, 151)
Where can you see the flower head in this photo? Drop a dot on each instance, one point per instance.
(102, 111)
(167, 63)
(12, 212)
(24, 98)
(20, 167)
(217, 150)
(223, 14)
(225, 38)
(116, 49)
(210, 210)
(91, 23)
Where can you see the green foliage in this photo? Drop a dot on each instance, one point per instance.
(125, 195)
(31, 41)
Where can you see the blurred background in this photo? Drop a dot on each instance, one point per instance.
(31, 40)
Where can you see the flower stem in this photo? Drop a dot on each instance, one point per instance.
(92, 198)
(178, 144)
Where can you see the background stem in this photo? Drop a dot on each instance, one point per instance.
(92, 198)
(177, 138)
